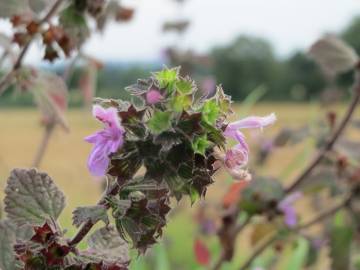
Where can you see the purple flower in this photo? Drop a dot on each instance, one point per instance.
(241, 150)
(153, 96)
(106, 141)
(235, 159)
(286, 206)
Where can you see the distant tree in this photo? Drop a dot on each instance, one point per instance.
(299, 73)
(244, 65)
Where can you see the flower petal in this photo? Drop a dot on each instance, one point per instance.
(108, 116)
(253, 122)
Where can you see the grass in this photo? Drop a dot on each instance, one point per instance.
(65, 161)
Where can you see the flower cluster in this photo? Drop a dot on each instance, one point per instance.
(178, 135)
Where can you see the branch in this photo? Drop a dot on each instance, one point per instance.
(86, 227)
(6, 80)
(49, 130)
(233, 232)
(327, 214)
(329, 145)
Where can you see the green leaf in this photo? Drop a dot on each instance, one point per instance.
(341, 236)
(210, 112)
(106, 243)
(184, 86)
(31, 197)
(299, 255)
(75, 25)
(200, 144)
(93, 213)
(181, 103)
(7, 241)
(167, 78)
(261, 192)
(160, 122)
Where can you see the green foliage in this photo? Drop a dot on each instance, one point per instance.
(31, 197)
(341, 236)
(90, 213)
(261, 195)
(7, 240)
(160, 122)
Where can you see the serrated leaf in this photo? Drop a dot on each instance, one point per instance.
(333, 55)
(181, 103)
(184, 86)
(75, 25)
(51, 96)
(159, 122)
(167, 78)
(31, 197)
(200, 144)
(210, 112)
(107, 243)
(93, 213)
(7, 241)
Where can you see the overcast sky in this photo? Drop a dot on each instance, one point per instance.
(288, 24)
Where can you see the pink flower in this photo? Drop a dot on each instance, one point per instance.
(235, 159)
(106, 141)
(241, 150)
(286, 206)
(153, 96)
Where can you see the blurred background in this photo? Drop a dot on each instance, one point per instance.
(256, 49)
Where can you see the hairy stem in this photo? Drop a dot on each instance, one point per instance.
(6, 80)
(86, 227)
(327, 214)
(331, 142)
(49, 130)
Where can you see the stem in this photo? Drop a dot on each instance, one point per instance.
(272, 239)
(49, 130)
(329, 145)
(86, 227)
(259, 251)
(6, 80)
(235, 232)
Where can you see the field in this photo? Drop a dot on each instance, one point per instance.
(65, 161)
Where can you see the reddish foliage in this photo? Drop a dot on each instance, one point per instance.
(232, 196)
(202, 253)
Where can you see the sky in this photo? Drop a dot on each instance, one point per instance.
(288, 24)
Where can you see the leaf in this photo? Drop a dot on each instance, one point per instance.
(92, 213)
(7, 241)
(160, 122)
(200, 144)
(10, 8)
(31, 197)
(341, 236)
(167, 78)
(181, 103)
(185, 86)
(51, 96)
(333, 55)
(39, 5)
(261, 231)
(107, 244)
(298, 257)
(210, 112)
(232, 195)
(75, 26)
(260, 194)
(202, 253)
